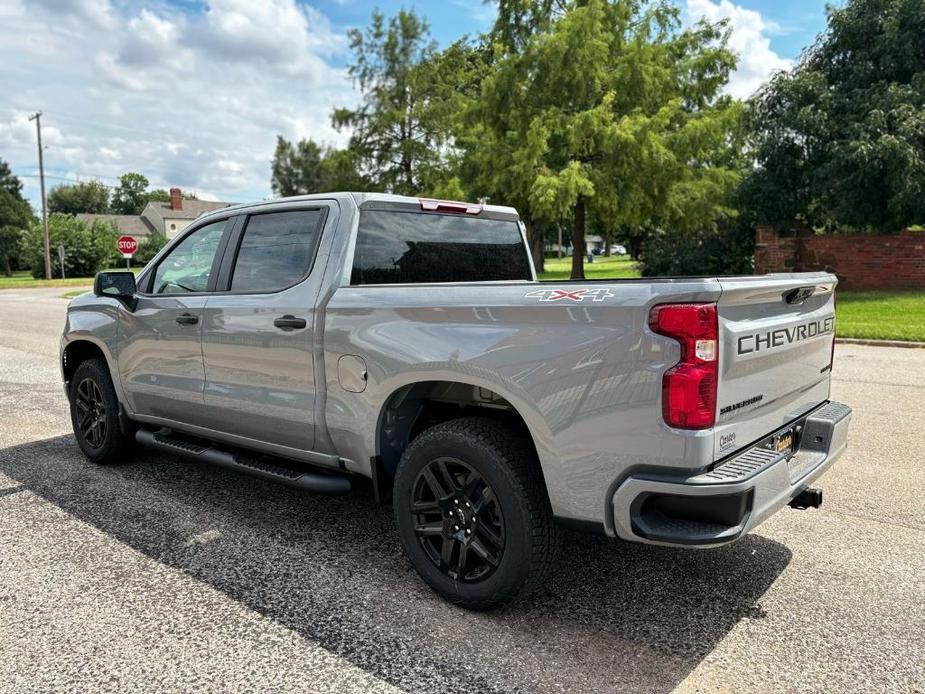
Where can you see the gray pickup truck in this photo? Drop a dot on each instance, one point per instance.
(405, 343)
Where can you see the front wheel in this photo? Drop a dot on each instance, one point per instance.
(473, 514)
(95, 414)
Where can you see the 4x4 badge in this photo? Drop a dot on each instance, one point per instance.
(569, 295)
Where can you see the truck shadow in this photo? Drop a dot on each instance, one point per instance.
(612, 616)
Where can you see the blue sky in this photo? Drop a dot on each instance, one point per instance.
(193, 93)
(793, 23)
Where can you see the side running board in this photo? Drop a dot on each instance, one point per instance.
(244, 462)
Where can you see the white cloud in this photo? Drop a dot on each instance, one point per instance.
(192, 97)
(98, 13)
(277, 33)
(749, 40)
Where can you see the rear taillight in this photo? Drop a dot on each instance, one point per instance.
(689, 387)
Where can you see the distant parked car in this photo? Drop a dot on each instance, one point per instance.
(617, 249)
(596, 251)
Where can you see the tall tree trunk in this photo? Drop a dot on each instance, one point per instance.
(635, 248)
(406, 161)
(536, 238)
(607, 244)
(578, 240)
(409, 177)
(7, 270)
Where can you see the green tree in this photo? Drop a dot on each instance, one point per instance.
(148, 247)
(634, 237)
(159, 195)
(295, 167)
(8, 181)
(518, 22)
(162, 195)
(87, 196)
(307, 167)
(840, 139)
(130, 196)
(727, 249)
(400, 130)
(15, 216)
(9, 246)
(490, 140)
(88, 248)
(340, 170)
(614, 111)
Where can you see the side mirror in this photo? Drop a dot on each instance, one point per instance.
(118, 285)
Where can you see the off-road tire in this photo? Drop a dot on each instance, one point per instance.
(505, 458)
(111, 444)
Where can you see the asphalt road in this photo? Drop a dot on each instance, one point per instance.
(166, 575)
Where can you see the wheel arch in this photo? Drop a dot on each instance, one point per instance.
(80, 350)
(412, 407)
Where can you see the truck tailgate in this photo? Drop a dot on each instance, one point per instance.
(776, 335)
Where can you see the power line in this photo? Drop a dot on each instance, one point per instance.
(67, 179)
(86, 175)
(97, 177)
(149, 135)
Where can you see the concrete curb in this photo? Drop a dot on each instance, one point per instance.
(879, 343)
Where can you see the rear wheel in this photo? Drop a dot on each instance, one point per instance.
(95, 414)
(472, 512)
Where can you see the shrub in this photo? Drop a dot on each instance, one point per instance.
(149, 247)
(87, 249)
(726, 251)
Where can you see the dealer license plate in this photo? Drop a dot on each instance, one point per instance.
(783, 442)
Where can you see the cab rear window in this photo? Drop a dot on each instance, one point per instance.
(405, 247)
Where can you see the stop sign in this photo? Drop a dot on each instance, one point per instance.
(127, 245)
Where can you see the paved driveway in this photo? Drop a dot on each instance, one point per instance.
(167, 575)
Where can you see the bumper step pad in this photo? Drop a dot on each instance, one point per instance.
(719, 505)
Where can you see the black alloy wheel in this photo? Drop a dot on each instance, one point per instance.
(458, 520)
(91, 413)
(472, 512)
(101, 433)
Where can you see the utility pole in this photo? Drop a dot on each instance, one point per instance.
(38, 129)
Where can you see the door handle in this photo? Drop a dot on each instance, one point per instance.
(187, 319)
(288, 322)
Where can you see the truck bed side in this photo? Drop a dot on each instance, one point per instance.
(585, 375)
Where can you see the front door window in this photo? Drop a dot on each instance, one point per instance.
(188, 266)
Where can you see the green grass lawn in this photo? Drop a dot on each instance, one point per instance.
(882, 315)
(24, 280)
(614, 267)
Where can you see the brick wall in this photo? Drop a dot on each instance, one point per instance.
(861, 261)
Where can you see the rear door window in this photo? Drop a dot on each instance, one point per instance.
(276, 250)
(406, 247)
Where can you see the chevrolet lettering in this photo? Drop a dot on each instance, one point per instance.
(785, 336)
